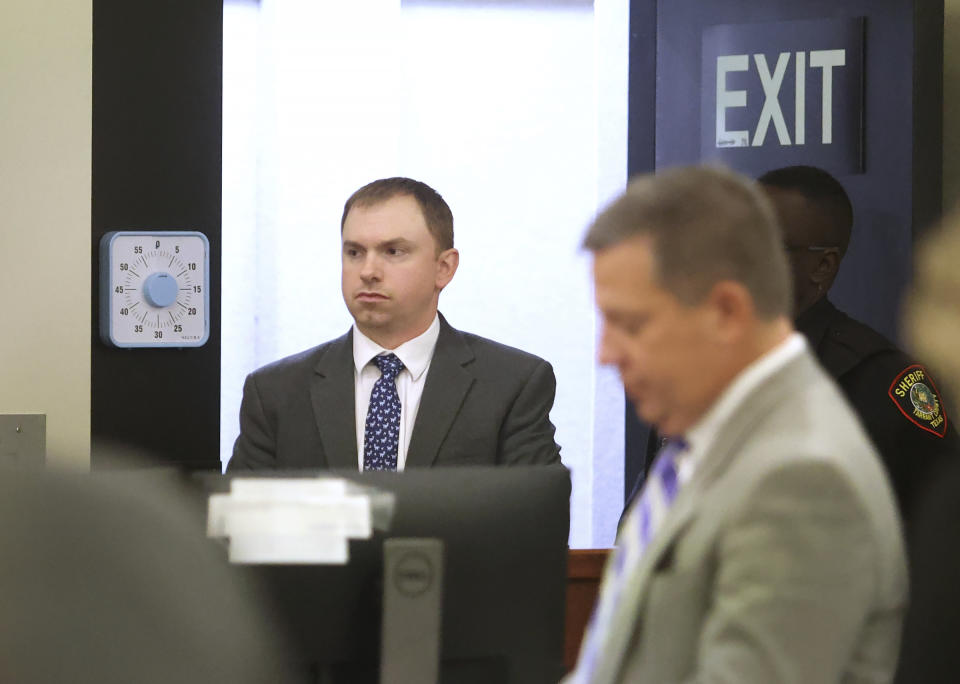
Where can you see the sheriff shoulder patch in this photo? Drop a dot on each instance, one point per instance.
(917, 398)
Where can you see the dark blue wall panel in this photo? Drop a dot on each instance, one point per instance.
(897, 192)
(878, 266)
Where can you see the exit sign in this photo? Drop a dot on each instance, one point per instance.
(783, 93)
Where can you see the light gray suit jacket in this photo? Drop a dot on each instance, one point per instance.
(483, 403)
(780, 561)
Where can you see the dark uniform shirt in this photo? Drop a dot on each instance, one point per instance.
(897, 401)
(896, 398)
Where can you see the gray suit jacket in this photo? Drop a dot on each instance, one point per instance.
(780, 561)
(483, 403)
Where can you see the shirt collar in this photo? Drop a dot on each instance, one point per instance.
(415, 354)
(703, 431)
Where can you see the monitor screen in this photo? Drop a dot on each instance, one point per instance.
(505, 538)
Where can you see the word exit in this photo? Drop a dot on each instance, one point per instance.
(771, 80)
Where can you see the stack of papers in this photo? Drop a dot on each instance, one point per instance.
(296, 520)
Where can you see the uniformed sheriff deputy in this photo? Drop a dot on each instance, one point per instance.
(896, 398)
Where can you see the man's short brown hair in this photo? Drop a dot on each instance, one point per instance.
(706, 224)
(436, 213)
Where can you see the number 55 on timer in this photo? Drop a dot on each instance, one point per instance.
(154, 289)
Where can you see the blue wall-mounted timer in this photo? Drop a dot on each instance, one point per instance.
(154, 289)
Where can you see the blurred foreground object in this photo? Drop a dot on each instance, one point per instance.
(111, 580)
(932, 320)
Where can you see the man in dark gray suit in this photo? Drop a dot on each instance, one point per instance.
(402, 388)
(765, 546)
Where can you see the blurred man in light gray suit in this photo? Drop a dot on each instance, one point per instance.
(765, 546)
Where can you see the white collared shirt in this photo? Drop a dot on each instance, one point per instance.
(701, 436)
(416, 355)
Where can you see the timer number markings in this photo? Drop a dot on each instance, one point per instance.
(154, 289)
(183, 278)
(165, 261)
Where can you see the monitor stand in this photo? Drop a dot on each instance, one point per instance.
(412, 598)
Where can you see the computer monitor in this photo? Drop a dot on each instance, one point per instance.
(505, 535)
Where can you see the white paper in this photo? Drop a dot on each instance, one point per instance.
(277, 549)
(348, 517)
(294, 520)
(288, 489)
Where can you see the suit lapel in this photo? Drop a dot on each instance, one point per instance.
(334, 405)
(444, 391)
(634, 593)
(727, 444)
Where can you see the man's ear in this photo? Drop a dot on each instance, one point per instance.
(826, 268)
(447, 263)
(731, 308)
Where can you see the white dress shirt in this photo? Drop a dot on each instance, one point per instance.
(703, 433)
(416, 355)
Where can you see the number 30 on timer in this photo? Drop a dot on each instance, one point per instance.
(154, 289)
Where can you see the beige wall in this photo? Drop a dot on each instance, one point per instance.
(45, 119)
(951, 104)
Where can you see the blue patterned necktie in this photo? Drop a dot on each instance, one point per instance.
(638, 529)
(381, 432)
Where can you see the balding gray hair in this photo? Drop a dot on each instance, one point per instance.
(706, 224)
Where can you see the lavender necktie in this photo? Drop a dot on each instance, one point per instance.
(638, 529)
